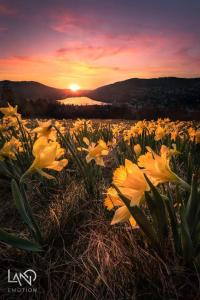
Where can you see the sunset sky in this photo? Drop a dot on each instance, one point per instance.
(92, 43)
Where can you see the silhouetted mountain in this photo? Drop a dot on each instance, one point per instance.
(139, 98)
(31, 90)
(165, 92)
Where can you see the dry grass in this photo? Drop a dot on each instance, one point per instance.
(84, 257)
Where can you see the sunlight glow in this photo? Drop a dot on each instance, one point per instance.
(74, 87)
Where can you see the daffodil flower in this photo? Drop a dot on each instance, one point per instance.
(96, 151)
(45, 129)
(60, 126)
(158, 166)
(81, 124)
(137, 149)
(174, 135)
(194, 135)
(9, 111)
(10, 149)
(122, 213)
(191, 132)
(46, 157)
(159, 133)
(131, 182)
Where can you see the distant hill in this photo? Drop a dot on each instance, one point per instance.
(30, 90)
(165, 91)
(142, 98)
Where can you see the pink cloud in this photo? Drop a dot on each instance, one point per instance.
(103, 58)
(7, 10)
(3, 29)
(143, 53)
(65, 21)
(18, 59)
(81, 50)
(188, 55)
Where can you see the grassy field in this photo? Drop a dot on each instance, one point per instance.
(100, 209)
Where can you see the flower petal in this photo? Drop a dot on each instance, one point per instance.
(122, 214)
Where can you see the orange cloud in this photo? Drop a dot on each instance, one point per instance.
(104, 59)
(79, 50)
(59, 72)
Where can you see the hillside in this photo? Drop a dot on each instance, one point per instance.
(144, 98)
(169, 91)
(30, 90)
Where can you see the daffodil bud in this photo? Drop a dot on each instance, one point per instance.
(137, 149)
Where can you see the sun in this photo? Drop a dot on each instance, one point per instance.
(74, 87)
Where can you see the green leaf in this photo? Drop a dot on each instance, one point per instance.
(17, 242)
(4, 170)
(141, 220)
(45, 174)
(174, 224)
(19, 203)
(145, 225)
(158, 210)
(157, 224)
(186, 240)
(193, 206)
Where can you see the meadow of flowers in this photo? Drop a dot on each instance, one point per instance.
(102, 210)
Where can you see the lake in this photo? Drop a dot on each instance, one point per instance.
(81, 101)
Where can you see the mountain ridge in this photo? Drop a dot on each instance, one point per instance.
(137, 79)
(138, 92)
(29, 90)
(134, 89)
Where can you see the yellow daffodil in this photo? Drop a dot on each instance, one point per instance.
(122, 213)
(60, 126)
(159, 133)
(96, 151)
(134, 131)
(115, 131)
(11, 121)
(46, 157)
(174, 135)
(81, 124)
(191, 132)
(10, 149)
(131, 182)
(194, 135)
(9, 111)
(45, 129)
(137, 149)
(158, 166)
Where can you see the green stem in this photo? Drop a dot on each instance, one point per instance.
(37, 234)
(183, 183)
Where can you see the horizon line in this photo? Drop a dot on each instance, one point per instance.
(88, 89)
